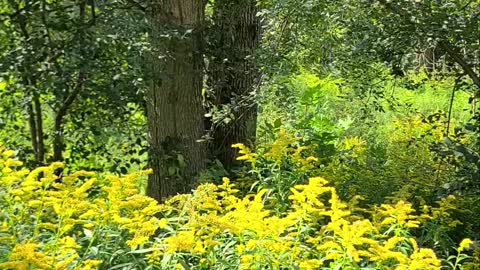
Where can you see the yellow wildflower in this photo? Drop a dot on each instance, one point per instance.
(17, 265)
(156, 255)
(399, 214)
(183, 241)
(137, 241)
(4, 227)
(247, 155)
(240, 249)
(68, 242)
(310, 264)
(280, 147)
(8, 153)
(28, 254)
(89, 265)
(465, 244)
(424, 259)
(163, 223)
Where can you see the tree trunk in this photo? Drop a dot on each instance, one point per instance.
(33, 129)
(62, 112)
(233, 75)
(39, 125)
(34, 108)
(174, 101)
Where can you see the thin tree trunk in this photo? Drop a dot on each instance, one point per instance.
(233, 75)
(62, 112)
(33, 129)
(174, 101)
(34, 108)
(58, 129)
(35, 120)
(39, 129)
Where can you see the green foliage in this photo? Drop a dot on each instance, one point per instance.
(276, 167)
(384, 146)
(69, 69)
(378, 97)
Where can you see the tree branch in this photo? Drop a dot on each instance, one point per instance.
(137, 5)
(463, 63)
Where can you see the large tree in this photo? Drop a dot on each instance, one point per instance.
(233, 76)
(174, 101)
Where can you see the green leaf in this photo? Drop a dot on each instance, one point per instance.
(172, 171)
(88, 233)
(142, 251)
(181, 161)
(277, 123)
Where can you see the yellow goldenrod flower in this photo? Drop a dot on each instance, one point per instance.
(89, 265)
(183, 241)
(137, 241)
(8, 153)
(465, 244)
(4, 227)
(247, 155)
(163, 223)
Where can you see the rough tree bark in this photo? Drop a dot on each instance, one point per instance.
(174, 101)
(233, 75)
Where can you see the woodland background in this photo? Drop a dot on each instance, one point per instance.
(377, 97)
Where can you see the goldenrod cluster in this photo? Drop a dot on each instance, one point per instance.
(283, 150)
(215, 227)
(416, 127)
(82, 221)
(52, 223)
